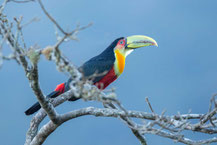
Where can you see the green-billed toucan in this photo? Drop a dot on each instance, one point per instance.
(109, 65)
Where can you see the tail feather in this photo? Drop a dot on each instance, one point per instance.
(61, 88)
(33, 109)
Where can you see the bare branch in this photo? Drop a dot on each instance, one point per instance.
(108, 112)
(3, 6)
(51, 18)
(31, 72)
(179, 138)
(21, 1)
(149, 104)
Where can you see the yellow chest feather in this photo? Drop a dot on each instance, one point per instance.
(119, 62)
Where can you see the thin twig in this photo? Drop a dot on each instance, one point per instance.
(51, 18)
(21, 1)
(149, 104)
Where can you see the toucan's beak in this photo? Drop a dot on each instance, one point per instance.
(137, 41)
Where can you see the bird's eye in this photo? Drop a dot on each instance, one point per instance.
(121, 42)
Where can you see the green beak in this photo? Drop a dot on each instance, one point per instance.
(137, 41)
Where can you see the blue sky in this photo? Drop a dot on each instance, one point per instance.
(178, 76)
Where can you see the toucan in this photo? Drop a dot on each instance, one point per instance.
(104, 68)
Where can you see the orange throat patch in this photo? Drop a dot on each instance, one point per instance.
(119, 62)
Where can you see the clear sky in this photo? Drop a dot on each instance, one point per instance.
(178, 76)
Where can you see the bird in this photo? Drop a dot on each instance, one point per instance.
(104, 68)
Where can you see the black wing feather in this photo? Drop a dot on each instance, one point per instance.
(96, 68)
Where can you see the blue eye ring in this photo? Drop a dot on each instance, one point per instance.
(121, 42)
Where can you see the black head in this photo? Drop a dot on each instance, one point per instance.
(110, 48)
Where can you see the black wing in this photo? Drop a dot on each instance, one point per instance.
(96, 68)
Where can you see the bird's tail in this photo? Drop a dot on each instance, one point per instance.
(61, 88)
(33, 109)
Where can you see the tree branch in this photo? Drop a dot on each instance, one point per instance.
(48, 128)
